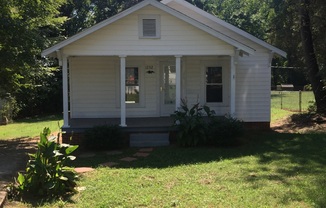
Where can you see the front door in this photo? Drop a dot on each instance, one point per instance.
(167, 89)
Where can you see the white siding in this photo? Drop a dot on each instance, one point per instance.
(196, 83)
(94, 83)
(94, 88)
(253, 97)
(122, 37)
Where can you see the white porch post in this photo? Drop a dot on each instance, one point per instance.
(65, 91)
(234, 62)
(123, 91)
(178, 82)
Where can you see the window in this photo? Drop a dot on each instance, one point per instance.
(214, 85)
(149, 26)
(132, 85)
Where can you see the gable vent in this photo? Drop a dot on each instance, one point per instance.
(149, 27)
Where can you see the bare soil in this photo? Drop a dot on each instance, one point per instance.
(13, 157)
(301, 123)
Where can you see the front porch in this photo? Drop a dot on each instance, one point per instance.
(146, 124)
(140, 132)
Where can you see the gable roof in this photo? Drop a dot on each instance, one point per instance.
(213, 22)
(209, 28)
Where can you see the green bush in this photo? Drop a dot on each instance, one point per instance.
(46, 174)
(191, 124)
(103, 138)
(224, 131)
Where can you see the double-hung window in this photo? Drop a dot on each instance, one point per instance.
(214, 85)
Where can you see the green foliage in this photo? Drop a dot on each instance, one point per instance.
(103, 138)
(191, 124)
(46, 173)
(199, 125)
(224, 131)
(307, 87)
(8, 109)
(26, 27)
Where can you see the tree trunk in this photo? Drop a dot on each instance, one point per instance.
(310, 57)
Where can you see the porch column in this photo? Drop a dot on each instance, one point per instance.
(177, 82)
(234, 62)
(65, 91)
(123, 91)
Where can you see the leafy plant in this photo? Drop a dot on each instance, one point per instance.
(224, 131)
(103, 137)
(8, 110)
(46, 174)
(191, 124)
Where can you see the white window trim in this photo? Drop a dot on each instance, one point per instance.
(140, 25)
(141, 76)
(225, 88)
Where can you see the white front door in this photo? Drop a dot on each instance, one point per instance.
(167, 89)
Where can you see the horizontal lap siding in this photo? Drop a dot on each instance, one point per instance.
(253, 77)
(253, 74)
(195, 82)
(121, 37)
(94, 88)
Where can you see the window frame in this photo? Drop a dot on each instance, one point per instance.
(157, 19)
(215, 84)
(141, 78)
(137, 84)
(221, 62)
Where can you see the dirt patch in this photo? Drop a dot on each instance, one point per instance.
(13, 158)
(301, 123)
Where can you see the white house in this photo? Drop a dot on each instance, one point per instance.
(141, 62)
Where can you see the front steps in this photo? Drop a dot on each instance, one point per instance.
(149, 139)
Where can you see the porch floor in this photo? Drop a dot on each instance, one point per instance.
(133, 124)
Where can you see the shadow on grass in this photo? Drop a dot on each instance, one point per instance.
(39, 119)
(281, 158)
(299, 148)
(14, 157)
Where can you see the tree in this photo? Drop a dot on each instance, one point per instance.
(26, 27)
(310, 56)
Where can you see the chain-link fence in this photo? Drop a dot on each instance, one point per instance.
(297, 101)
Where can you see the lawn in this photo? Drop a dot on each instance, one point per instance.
(272, 170)
(269, 170)
(284, 104)
(30, 127)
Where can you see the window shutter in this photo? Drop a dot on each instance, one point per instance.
(149, 27)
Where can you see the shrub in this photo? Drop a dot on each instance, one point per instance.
(46, 174)
(191, 125)
(224, 131)
(307, 87)
(103, 137)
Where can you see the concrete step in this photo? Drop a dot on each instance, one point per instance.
(149, 139)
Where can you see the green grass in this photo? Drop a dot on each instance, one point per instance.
(273, 170)
(270, 170)
(287, 103)
(30, 127)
